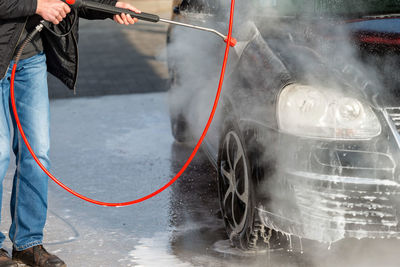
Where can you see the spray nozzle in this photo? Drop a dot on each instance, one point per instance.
(232, 43)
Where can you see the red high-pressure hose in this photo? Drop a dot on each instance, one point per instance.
(229, 41)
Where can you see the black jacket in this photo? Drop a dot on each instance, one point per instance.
(62, 53)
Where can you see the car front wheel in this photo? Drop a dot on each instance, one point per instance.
(236, 189)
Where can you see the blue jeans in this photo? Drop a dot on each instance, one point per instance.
(29, 194)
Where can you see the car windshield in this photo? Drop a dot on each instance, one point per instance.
(346, 8)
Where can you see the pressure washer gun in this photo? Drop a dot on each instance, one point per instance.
(91, 5)
(141, 16)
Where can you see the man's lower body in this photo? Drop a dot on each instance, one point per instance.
(28, 204)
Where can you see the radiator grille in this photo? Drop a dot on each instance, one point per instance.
(394, 114)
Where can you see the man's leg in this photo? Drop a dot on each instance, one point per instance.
(5, 260)
(29, 195)
(4, 137)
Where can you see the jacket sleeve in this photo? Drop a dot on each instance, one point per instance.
(10, 9)
(90, 14)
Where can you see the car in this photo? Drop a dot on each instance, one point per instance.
(306, 137)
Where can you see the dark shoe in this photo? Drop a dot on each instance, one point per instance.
(5, 260)
(37, 256)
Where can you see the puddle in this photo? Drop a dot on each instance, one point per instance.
(154, 252)
(225, 247)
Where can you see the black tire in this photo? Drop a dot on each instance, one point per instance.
(179, 128)
(179, 124)
(236, 189)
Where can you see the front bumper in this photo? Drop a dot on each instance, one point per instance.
(328, 191)
(329, 208)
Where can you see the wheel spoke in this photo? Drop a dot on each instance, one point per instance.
(243, 197)
(227, 175)
(238, 156)
(228, 156)
(230, 190)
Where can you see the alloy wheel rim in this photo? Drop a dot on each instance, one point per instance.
(234, 183)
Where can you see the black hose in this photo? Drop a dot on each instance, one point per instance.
(26, 41)
(47, 24)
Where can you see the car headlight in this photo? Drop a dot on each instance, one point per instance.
(322, 113)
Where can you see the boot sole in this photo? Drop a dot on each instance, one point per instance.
(21, 264)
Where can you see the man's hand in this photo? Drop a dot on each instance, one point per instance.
(52, 10)
(126, 18)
